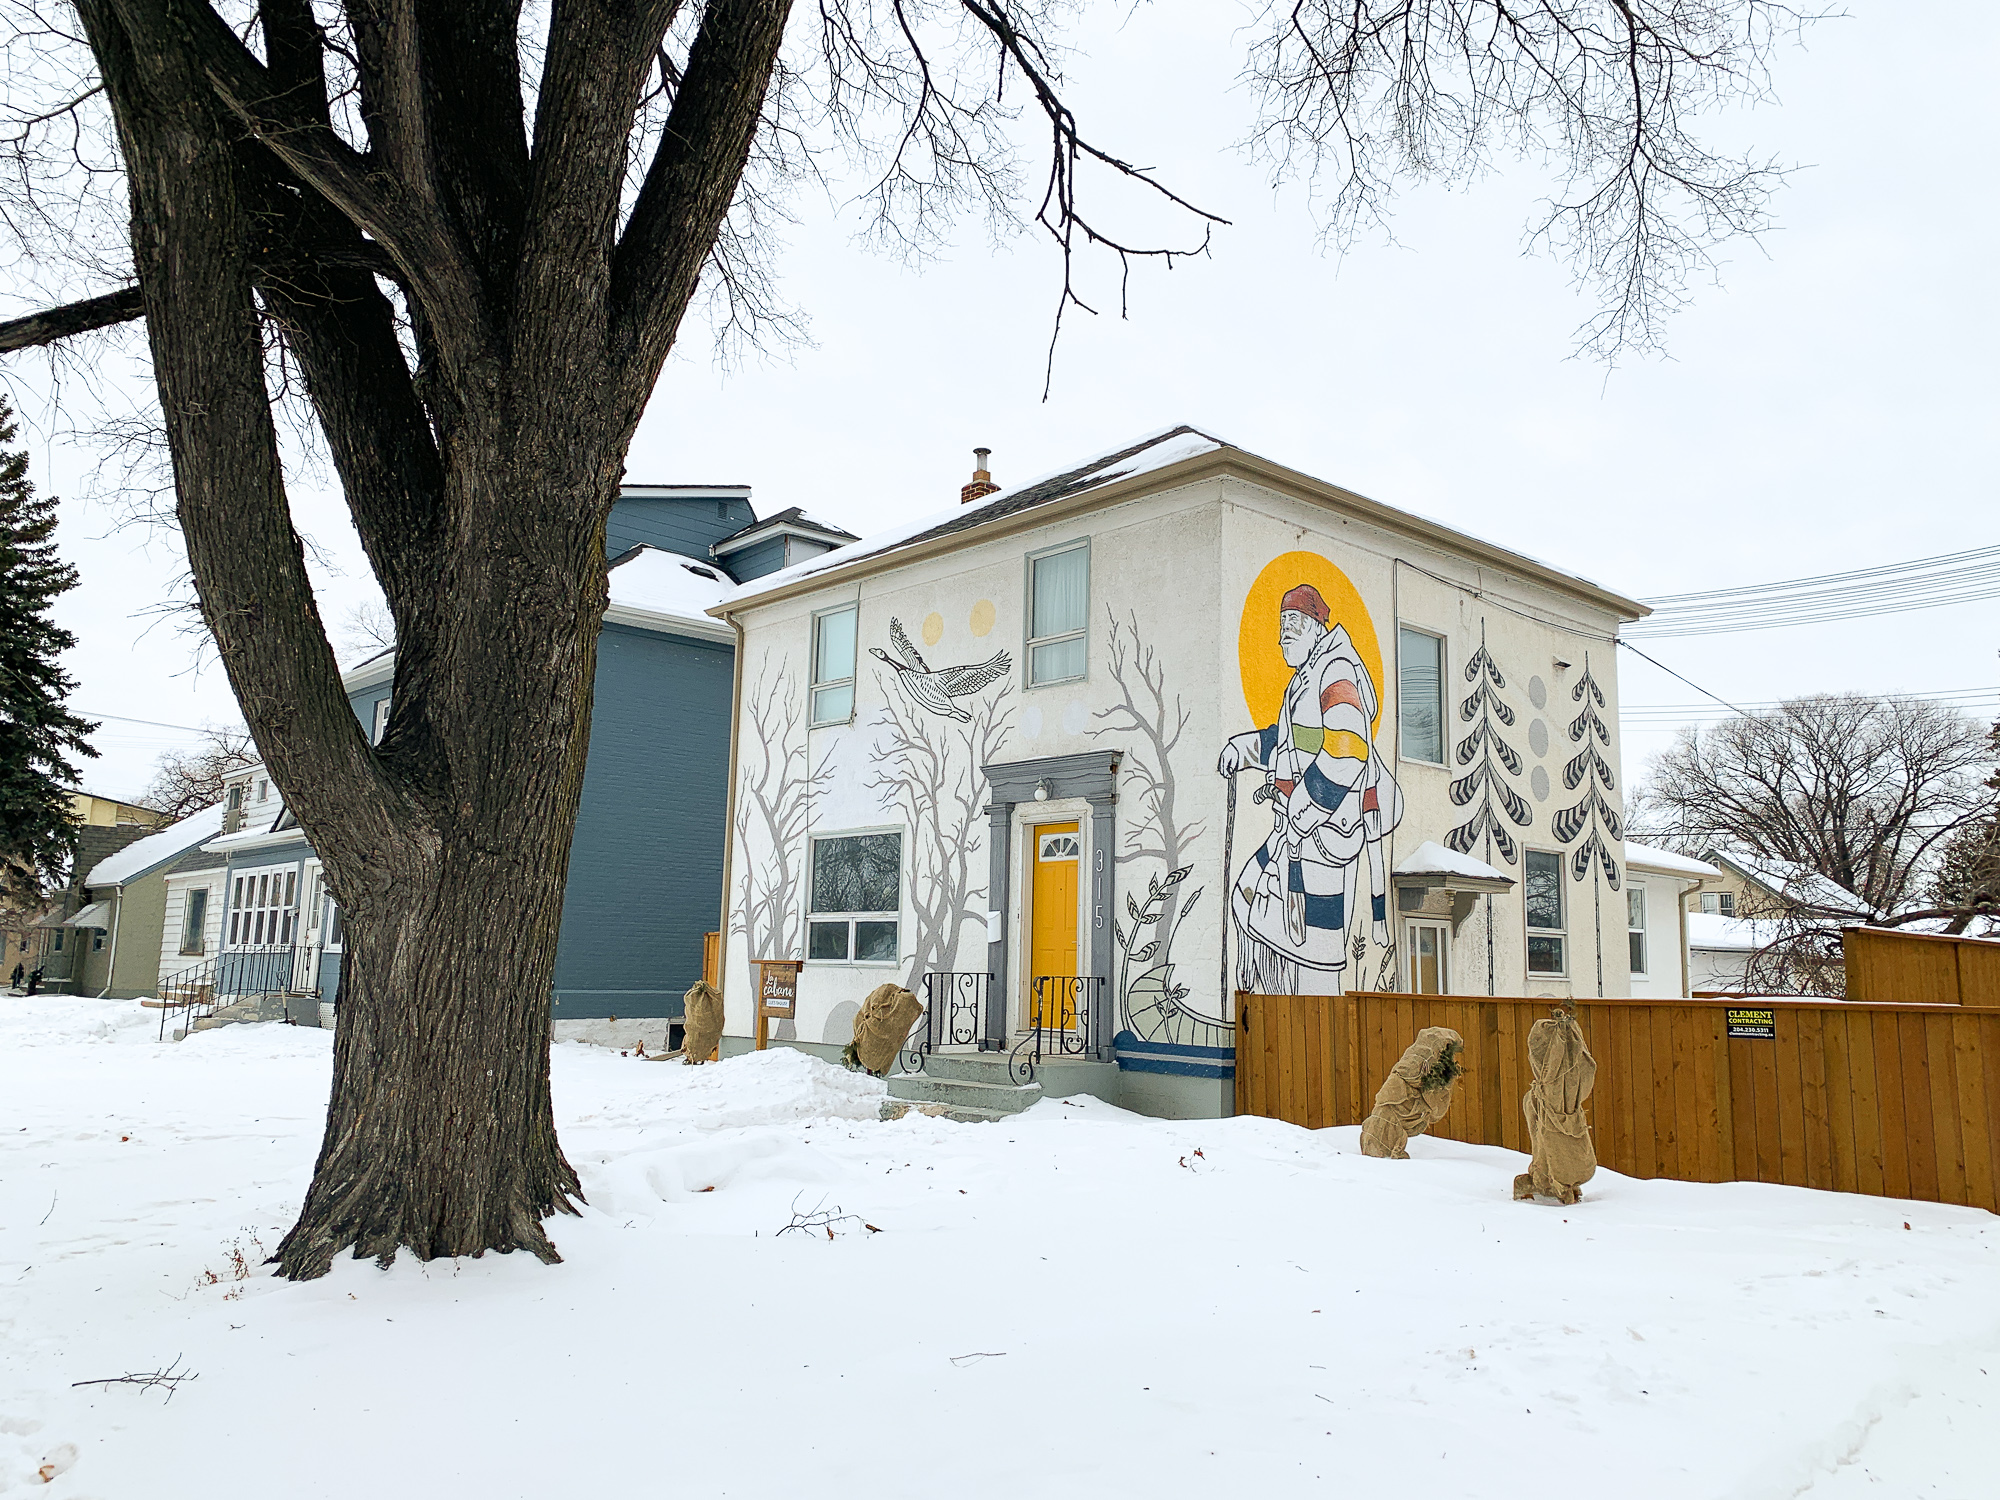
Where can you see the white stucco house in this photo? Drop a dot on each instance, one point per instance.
(1081, 758)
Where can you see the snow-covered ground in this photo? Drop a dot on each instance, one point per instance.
(1079, 1303)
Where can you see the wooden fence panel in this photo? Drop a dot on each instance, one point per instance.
(1889, 1099)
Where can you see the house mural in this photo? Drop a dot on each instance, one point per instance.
(1166, 724)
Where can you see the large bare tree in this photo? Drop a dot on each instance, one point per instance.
(466, 233)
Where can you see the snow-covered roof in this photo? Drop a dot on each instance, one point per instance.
(792, 521)
(667, 586)
(1728, 934)
(156, 849)
(1431, 858)
(1156, 451)
(1646, 857)
(1982, 928)
(1793, 882)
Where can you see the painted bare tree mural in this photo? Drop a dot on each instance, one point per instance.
(928, 777)
(773, 806)
(1147, 723)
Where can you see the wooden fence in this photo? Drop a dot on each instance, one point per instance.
(1885, 965)
(1901, 1101)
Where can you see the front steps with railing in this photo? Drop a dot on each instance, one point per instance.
(963, 1084)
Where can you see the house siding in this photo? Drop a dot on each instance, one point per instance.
(756, 560)
(172, 960)
(645, 873)
(689, 525)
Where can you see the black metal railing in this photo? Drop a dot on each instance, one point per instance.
(954, 1015)
(1059, 1010)
(245, 973)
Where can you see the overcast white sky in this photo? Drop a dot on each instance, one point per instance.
(1830, 405)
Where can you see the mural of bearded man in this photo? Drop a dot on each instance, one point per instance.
(1332, 802)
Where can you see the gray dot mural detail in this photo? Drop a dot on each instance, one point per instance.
(1538, 692)
(1538, 783)
(1538, 738)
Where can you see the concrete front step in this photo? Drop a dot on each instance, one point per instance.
(964, 1093)
(1057, 1077)
(965, 1114)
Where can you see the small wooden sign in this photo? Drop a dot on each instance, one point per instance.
(777, 993)
(1751, 1021)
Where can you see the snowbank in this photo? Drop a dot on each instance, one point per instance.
(73, 1020)
(1078, 1300)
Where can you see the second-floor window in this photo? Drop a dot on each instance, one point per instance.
(1718, 903)
(833, 665)
(1420, 696)
(1058, 615)
(1543, 895)
(1635, 925)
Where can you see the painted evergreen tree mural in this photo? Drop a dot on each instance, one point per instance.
(1592, 820)
(1487, 712)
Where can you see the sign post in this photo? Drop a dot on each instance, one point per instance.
(777, 993)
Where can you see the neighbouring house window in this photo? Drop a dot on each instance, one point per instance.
(263, 908)
(336, 925)
(381, 725)
(1719, 903)
(194, 923)
(1058, 612)
(1544, 900)
(1427, 954)
(236, 797)
(833, 665)
(1635, 923)
(263, 791)
(96, 940)
(857, 883)
(57, 946)
(1420, 695)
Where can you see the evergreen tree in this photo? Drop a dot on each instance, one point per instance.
(37, 733)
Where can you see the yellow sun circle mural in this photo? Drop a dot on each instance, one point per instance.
(933, 628)
(983, 615)
(1265, 674)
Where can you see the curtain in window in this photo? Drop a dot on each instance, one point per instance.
(1420, 696)
(1062, 593)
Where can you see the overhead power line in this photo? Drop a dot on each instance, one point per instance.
(1894, 588)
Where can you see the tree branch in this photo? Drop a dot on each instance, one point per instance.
(71, 319)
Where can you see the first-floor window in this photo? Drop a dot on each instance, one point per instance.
(194, 923)
(1426, 951)
(1544, 900)
(857, 882)
(264, 908)
(1635, 923)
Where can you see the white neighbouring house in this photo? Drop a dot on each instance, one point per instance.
(1089, 754)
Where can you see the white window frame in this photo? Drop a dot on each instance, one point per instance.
(1030, 640)
(1442, 930)
(197, 932)
(1444, 676)
(255, 921)
(850, 919)
(1561, 933)
(1718, 897)
(1635, 900)
(381, 725)
(851, 681)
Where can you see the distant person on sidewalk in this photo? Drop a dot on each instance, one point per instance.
(34, 981)
(14, 980)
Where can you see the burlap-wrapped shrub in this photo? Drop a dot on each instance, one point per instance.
(881, 1027)
(1564, 1072)
(701, 1021)
(1416, 1094)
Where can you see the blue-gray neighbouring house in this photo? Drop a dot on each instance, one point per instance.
(645, 875)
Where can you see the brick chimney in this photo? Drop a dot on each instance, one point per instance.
(982, 482)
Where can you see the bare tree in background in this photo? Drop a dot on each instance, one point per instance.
(1967, 881)
(367, 631)
(458, 238)
(186, 781)
(1866, 793)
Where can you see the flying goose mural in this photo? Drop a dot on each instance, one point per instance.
(934, 689)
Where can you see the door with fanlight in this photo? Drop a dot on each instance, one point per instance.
(1052, 925)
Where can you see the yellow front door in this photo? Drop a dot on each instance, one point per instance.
(1052, 926)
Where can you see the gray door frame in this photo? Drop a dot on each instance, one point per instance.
(1093, 778)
